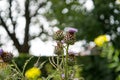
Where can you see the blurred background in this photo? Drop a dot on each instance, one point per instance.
(27, 26)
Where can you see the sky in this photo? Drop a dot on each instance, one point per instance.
(38, 48)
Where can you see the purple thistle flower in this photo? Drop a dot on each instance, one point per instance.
(1, 51)
(63, 76)
(71, 30)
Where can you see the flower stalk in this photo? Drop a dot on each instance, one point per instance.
(61, 64)
(66, 63)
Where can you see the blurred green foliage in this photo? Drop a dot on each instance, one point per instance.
(102, 19)
(113, 56)
(96, 68)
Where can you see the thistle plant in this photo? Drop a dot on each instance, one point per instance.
(5, 68)
(9, 70)
(64, 60)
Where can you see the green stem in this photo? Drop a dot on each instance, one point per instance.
(58, 61)
(52, 63)
(37, 62)
(63, 60)
(66, 63)
(17, 68)
(27, 61)
(59, 67)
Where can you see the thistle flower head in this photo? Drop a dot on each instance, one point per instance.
(71, 58)
(6, 56)
(58, 35)
(69, 38)
(71, 55)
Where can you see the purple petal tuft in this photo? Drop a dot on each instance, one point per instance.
(1, 51)
(71, 30)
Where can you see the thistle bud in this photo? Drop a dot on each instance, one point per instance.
(69, 38)
(59, 48)
(59, 35)
(71, 62)
(6, 57)
(71, 58)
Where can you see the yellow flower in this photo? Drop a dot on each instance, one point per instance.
(32, 73)
(100, 40)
